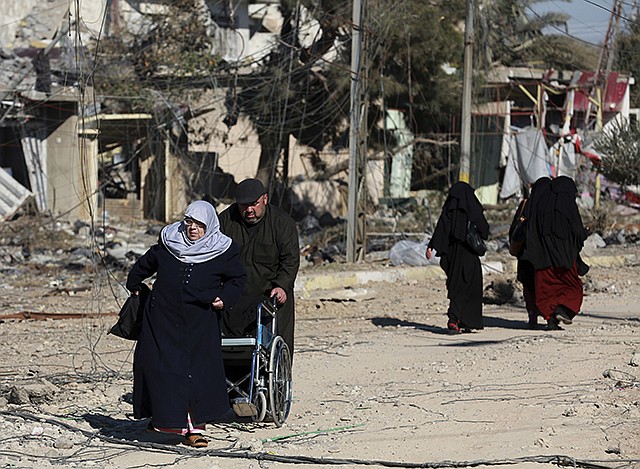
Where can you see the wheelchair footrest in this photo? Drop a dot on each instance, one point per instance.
(243, 408)
(238, 341)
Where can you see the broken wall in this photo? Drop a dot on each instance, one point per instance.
(13, 14)
(72, 172)
(237, 152)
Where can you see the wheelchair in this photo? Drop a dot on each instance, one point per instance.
(262, 387)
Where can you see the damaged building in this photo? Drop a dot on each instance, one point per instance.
(542, 123)
(79, 157)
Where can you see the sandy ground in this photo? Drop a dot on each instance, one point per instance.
(377, 381)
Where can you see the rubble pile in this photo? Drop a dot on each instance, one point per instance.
(68, 257)
(395, 237)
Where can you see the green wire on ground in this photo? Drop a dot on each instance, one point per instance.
(315, 432)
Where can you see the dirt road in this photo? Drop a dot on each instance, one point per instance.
(376, 379)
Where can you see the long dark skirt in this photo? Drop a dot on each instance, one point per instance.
(464, 287)
(558, 286)
(526, 276)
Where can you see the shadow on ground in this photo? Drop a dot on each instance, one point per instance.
(597, 315)
(395, 322)
(489, 321)
(129, 430)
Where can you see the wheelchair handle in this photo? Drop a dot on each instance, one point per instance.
(270, 305)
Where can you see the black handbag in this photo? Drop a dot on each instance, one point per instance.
(518, 237)
(474, 240)
(519, 234)
(130, 315)
(583, 267)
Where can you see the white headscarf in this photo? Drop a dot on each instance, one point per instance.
(211, 245)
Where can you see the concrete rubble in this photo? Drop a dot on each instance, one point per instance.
(76, 251)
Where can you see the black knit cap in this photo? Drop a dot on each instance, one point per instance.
(249, 190)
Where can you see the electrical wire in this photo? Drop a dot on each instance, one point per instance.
(559, 460)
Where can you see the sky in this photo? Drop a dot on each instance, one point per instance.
(589, 19)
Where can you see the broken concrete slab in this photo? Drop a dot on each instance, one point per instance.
(12, 195)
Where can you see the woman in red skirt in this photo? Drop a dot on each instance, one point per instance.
(555, 236)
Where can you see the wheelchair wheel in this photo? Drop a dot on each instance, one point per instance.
(260, 401)
(279, 381)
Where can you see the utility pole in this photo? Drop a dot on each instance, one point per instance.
(465, 135)
(357, 154)
(115, 12)
(112, 18)
(601, 75)
(600, 80)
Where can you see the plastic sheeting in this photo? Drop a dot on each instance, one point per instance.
(526, 163)
(411, 253)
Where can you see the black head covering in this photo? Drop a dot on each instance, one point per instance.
(564, 192)
(536, 212)
(465, 199)
(460, 207)
(555, 233)
(538, 196)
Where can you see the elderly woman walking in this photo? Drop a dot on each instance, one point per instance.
(457, 259)
(178, 374)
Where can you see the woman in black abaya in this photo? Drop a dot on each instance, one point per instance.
(460, 263)
(539, 199)
(178, 373)
(555, 236)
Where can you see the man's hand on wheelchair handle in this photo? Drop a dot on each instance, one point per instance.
(280, 294)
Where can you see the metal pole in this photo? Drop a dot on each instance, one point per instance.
(465, 136)
(354, 126)
(115, 17)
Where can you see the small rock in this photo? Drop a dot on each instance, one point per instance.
(36, 393)
(63, 443)
(541, 443)
(612, 450)
(37, 431)
(19, 395)
(635, 359)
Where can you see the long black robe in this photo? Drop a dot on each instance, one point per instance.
(555, 236)
(555, 233)
(525, 268)
(460, 263)
(271, 254)
(177, 364)
(525, 271)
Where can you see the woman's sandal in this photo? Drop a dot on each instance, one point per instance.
(195, 440)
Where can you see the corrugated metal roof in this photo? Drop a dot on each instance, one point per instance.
(615, 92)
(12, 195)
